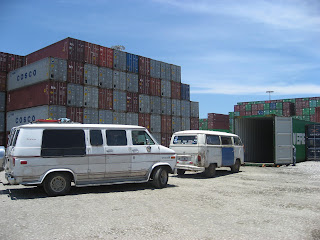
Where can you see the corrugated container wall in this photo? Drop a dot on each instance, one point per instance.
(119, 80)
(91, 75)
(144, 66)
(2, 122)
(132, 82)
(165, 139)
(144, 84)
(155, 87)
(157, 136)
(3, 101)
(176, 107)
(24, 116)
(91, 53)
(74, 95)
(105, 77)
(166, 124)
(132, 102)
(166, 106)
(43, 70)
(132, 118)
(119, 118)
(3, 61)
(105, 99)
(194, 123)
(119, 60)
(155, 123)
(91, 96)
(105, 117)
(144, 120)
(144, 103)
(119, 101)
(3, 81)
(165, 88)
(194, 109)
(185, 91)
(155, 69)
(176, 124)
(185, 123)
(155, 105)
(75, 114)
(75, 72)
(165, 71)
(175, 90)
(14, 62)
(132, 63)
(106, 57)
(185, 108)
(90, 116)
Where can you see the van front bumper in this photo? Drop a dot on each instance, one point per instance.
(190, 168)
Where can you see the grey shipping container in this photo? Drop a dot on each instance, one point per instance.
(165, 71)
(132, 118)
(2, 101)
(176, 107)
(119, 101)
(194, 109)
(165, 88)
(119, 60)
(2, 122)
(173, 69)
(144, 103)
(166, 106)
(90, 115)
(185, 123)
(24, 116)
(43, 70)
(105, 77)
(178, 78)
(185, 108)
(74, 95)
(119, 118)
(176, 124)
(91, 75)
(119, 80)
(155, 105)
(132, 82)
(155, 69)
(155, 123)
(157, 136)
(105, 116)
(91, 97)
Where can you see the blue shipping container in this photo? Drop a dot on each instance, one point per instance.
(132, 63)
(261, 112)
(273, 106)
(185, 91)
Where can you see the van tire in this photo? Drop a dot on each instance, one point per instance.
(210, 171)
(160, 177)
(57, 184)
(235, 168)
(180, 172)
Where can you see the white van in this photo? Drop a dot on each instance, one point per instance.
(199, 150)
(55, 154)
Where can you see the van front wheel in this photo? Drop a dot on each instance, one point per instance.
(236, 166)
(57, 184)
(210, 171)
(160, 177)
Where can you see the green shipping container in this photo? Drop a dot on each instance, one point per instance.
(313, 103)
(231, 114)
(279, 106)
(203, 124)
(312, 111)
(266, 106)
(248, 107)
(306, 112)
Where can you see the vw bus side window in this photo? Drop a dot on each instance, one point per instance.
(237, 141)
(226, 140)
(185, 139)
(15, 137)
(116, 137)
(96, 138)
(141, 138)
(213, 140)
(58, 143)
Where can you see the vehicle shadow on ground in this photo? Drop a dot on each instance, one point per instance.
(200, 175)
(26, 193)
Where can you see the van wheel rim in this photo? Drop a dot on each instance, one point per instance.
(58, 184)
(163, 177)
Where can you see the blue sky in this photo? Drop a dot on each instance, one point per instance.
(229, 50)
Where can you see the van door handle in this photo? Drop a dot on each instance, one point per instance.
(109, 150)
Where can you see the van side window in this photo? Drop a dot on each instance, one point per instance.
(96, 138)
(226, 140)
(15, 137)
(116, 137)
(213, 140)
(141, 138)
(237, 141)
(58, 143)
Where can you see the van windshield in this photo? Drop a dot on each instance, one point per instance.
(185, 139)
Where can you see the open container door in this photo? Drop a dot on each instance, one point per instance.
(283, 140)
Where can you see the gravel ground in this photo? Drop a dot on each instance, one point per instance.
(257, 203)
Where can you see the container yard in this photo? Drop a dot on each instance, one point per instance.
(89, 83)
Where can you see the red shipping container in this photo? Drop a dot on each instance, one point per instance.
(91, 53)
(14, 62)
(254, 112)
(144, 66)
(3, 81)
(44, 93)
(75, 114)
(75, 72)
(155, 87)
(313, 118)
(317, 114)
(260, 107)
(106, 57)
(165, 139)
(242, 113)
(144, 85)
(3, 61)
(144, 120)
(299, 111)
(248, 113)
(218, 117)
(254, 107)
(69, 49)
(105, 99)
(166, 124)
(237, 108)
(175, 90)
(218, 125)
(132, 102)
(194, 123)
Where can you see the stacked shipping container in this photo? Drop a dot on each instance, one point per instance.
(215, 121)
(89, 83)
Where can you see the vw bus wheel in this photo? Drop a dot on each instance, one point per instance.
(210, 171)
(180, 172)
(160, 177)
(57, 184)
(236, 167)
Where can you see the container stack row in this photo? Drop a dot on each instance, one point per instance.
(8, 62)
(89, 83)
(215, 121)
(313, 142)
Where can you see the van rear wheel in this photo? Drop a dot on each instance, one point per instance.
(160, 177)
(57, 184)
(236, 166)
(210, 171)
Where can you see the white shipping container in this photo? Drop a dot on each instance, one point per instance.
(91, 97)
(176, 124)
(155, 105)
(132, 82)
(40, 71)
(119, 118)
(166, 106)
(119, 101)
(105, 116)
(155, 123)
(74, 95)
(90, 116)
(185, 124)
(91, 75)
(165, 88)
(24, 116)
(194, 109)
(2, 101)
(2, 122)
(105, 77)
(132, 118)
(176, 107)
(144, 103)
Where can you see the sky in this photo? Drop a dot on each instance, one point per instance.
(229, 51)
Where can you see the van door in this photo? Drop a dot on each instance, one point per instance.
(144, 153)
(118, 156)
(283, 140)
(227, 151)
(96, 154)
(213, 154)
